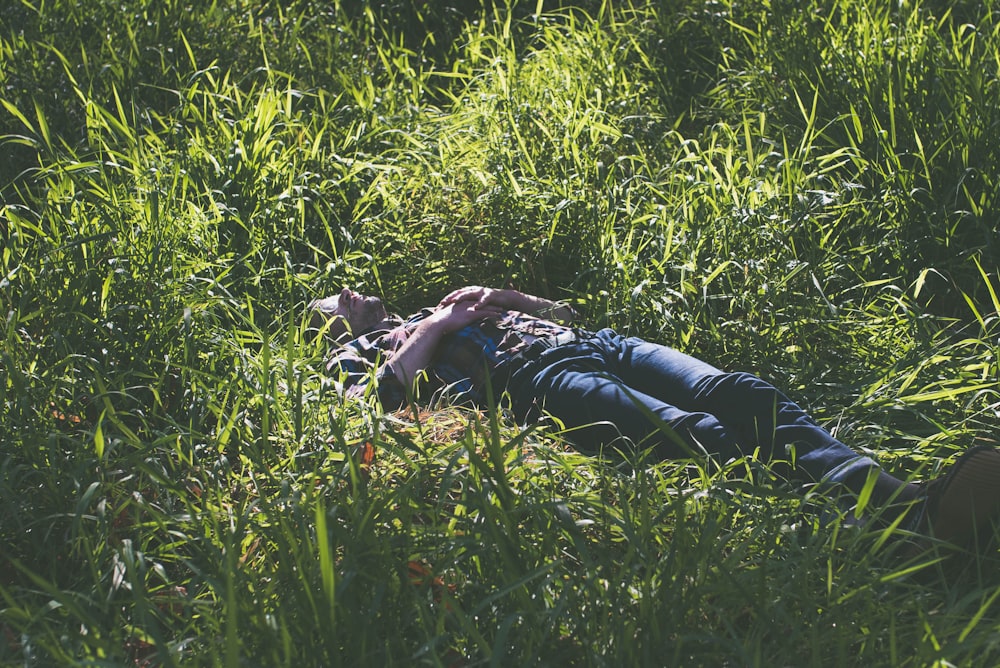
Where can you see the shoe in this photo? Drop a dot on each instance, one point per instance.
(962, 506)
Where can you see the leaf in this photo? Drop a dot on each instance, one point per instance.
(99, 436)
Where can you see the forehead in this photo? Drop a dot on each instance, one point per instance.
(330, 305)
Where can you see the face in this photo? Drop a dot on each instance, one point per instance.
(357, 311)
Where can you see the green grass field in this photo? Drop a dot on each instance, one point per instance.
(806, 190)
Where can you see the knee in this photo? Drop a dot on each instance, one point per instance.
(744, 396)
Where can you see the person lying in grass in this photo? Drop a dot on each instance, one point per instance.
(612, 392)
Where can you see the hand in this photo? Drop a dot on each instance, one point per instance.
(479, 296)
(511, 300)
(454, 316)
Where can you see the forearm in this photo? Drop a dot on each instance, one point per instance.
(416, 353)
(539, 306)
(419, 349)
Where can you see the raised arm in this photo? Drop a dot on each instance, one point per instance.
(512, 300)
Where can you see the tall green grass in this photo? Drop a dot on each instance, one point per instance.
(803, 191)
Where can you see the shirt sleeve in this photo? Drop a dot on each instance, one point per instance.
(360, 361)
(391, 391)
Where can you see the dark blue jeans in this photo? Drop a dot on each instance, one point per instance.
(626, 393)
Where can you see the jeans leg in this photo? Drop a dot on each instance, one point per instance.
(599, 410)
(608, 386)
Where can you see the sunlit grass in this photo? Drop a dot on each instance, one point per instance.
(805, 192)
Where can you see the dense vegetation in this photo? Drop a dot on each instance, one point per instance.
(806, 190)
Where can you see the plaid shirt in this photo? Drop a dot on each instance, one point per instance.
(462, 364)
